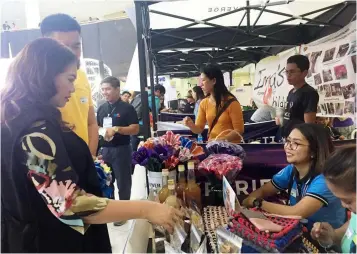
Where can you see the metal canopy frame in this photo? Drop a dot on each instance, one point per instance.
(258, 41)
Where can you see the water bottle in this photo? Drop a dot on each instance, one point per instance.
(200, 139)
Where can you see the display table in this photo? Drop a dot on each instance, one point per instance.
(264, 131)
(174, 117)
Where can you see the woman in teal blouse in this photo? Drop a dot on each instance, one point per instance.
(340, 175)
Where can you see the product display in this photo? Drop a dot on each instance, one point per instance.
(181, 185)
(164, 192)
(221, 165)
(172, 199)
(192, 193)
(178, 159)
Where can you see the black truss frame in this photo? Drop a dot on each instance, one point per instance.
(162, 60)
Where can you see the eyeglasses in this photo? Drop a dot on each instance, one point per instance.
(292, 72)
(292, 144)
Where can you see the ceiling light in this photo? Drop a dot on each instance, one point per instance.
(183, 60)
(231, 57)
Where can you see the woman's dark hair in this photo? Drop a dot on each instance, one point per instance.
(30, 78)
(199, 92)
(340, 168)
(220, 90)
(320, 144)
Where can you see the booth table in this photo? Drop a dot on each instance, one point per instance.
(176, 117)
(265, 131)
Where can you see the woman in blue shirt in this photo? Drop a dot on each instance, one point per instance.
(198, 95)
(307, 148)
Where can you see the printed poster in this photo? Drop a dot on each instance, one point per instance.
(333, 72)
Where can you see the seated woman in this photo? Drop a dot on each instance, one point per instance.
(334, 133)
(220, 110)
(307, 148)
(198, 95)
(340, 175)
(51, 199)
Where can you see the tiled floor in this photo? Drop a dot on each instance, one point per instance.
(119, 235)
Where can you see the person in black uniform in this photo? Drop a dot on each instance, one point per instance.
(117, 121)
(301, 106)
(190, 105)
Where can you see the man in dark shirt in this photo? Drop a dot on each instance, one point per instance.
(117, 121)
(302, 100)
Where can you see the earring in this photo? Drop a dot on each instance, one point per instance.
(312, 156)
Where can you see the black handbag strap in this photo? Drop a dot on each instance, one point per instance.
(220, 112)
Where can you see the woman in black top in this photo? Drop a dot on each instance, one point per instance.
(50, 193)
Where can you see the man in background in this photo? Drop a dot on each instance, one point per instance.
(125, 96)
(302, 100)
(79, 111)
(117, 121)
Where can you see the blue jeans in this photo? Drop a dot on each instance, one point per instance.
(120, 159)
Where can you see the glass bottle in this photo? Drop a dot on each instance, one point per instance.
(192, 193)
(172, 200)
(164, 192)
(181, 185)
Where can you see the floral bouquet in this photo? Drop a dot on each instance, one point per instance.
(223, 147)
(221, 165)
(105, 178)
(166, 151)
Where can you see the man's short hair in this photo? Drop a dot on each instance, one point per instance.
(301, 61)
(113, 81)
(126, 92)
(59, 23)
(160, 88)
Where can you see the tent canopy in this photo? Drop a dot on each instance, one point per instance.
(236, 33)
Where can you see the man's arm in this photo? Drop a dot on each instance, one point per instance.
(310, 107)
(92, 131)
(310, 117)
(132, 129)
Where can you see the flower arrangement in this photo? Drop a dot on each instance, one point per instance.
(166, 151)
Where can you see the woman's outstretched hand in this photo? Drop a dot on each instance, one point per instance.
(187, 121)
(164, 215)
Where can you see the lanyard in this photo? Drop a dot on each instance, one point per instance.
(111, 111)
(300, 193)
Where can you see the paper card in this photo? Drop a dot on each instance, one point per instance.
(230, 198)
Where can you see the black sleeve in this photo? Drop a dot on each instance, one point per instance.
(99, 117)
(311, 99)
(132, 116)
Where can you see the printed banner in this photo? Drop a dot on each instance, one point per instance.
(270, 83)
(333, 72)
